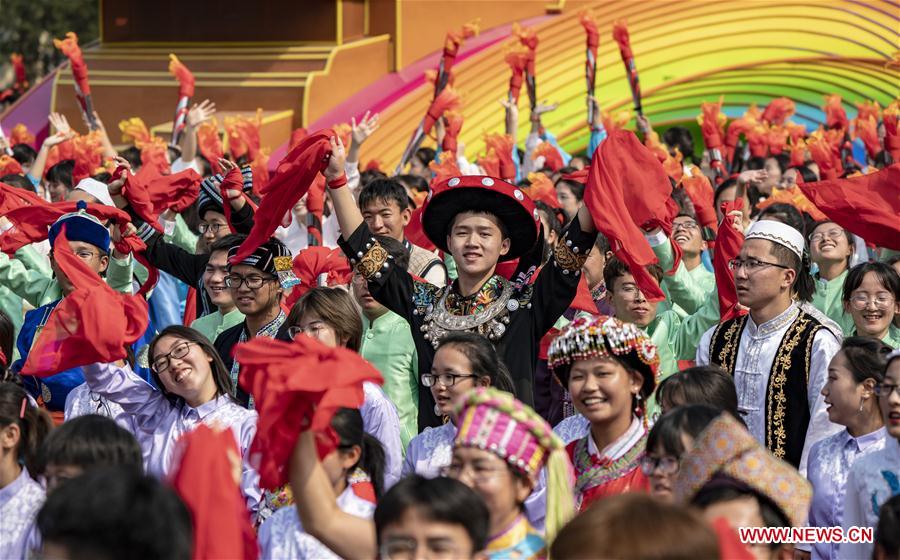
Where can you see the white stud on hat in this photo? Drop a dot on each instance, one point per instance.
(453, 182)
(779, 233)
(487, 182)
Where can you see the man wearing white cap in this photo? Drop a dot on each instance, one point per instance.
(778, 354)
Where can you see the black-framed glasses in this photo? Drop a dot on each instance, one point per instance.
(687, 224)
(162, 363)
(884, 390)
(666, 464)
(254, 281)
(214, 227)
(445, 379)
(752, 265)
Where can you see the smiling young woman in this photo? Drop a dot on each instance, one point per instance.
(194, 388)
(609, 368)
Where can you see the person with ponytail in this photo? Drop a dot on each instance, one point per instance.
(850, 395)
(463, 361)
(610, 369)
(779, 352)
(22, 430)
(358, 455)
(501, 448)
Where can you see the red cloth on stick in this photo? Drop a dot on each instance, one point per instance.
(621, 163)
(203, 478)
(447, 100)
(69, 47)
(552, 158)
(728, 245)
(311, 263)
(453, 121)
(517, 61)
(702, 196)
(892, 131)
(92, 324)
(293, 178)
(866, 206)
(297, 386)
(31, 224)
(503, 145)
(149, 198)
(778, 110)
(183, 75)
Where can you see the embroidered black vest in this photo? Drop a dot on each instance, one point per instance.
(787, 410)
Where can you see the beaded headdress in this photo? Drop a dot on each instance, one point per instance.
(591, 337)
(494, 421)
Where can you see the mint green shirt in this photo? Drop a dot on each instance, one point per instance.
(212, 325)
(892, 338)
(703, 277)
(388, 343)
(828, 300)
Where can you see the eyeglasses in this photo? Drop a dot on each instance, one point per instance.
(666, 464)
(834, 234)
(884, 390)
(630, 292)
(213, 227)
(445, 379)
(882, 300)
(254, 282)
(311, 329)
(479, 474)
(752, 265)
(85, 255)
(162, 363)
(687, 224)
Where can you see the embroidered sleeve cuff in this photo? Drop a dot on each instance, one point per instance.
(367, 256)
(572, 249)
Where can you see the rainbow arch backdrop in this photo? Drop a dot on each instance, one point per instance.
(686, 51)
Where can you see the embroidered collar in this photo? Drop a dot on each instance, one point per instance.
(517, 531)
(619, 447)
(269, 330)
(775, 324)
(598, 292)
(459, 304)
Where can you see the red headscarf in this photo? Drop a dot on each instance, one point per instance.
(297, 386)
(92, 324)
(204, 480)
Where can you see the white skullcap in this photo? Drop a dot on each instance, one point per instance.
(96, 189)
(779, 233)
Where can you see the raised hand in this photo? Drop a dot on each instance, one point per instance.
(337, 159)
(63, 130)
(115, 186)
(364, 128)
(542, 108)
(198, 114)
(227, 165)
(753, 177)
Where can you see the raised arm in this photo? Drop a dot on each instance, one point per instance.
(348, 214)
(121, 385)
(347, 535)
(63, 133)
(195, 117)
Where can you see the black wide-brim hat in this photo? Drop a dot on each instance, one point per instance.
(482, 194)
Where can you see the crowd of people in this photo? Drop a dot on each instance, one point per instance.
(531, 354)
